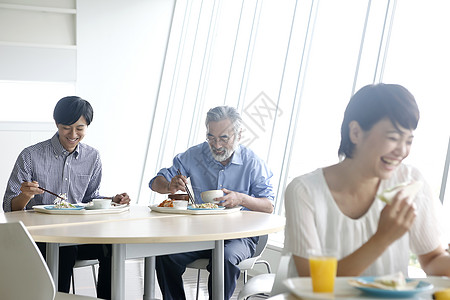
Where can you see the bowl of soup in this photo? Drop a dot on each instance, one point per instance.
(180, 204)
(211, 195)
(101, 203)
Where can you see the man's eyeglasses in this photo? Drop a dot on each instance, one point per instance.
(221, 140)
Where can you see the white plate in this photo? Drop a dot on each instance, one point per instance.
(302, 287)
(91, 207)
(118, 209)
(53, 207)
(422, 286)
(171, 210)
(203, 208)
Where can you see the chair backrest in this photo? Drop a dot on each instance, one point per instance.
(262, 244)
(23, 271)
(248, 263)
(268, 285)
(244, 265)
(283, 272)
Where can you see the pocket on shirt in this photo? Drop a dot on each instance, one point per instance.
(80, 185)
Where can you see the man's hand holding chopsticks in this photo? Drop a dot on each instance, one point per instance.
(178, 183)
(29, 189)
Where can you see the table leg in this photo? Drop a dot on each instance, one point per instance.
(52, 259)
(149, 278)
(118, 272)
(218, 289)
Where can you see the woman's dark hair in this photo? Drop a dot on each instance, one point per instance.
(374, 102)
(69, 109)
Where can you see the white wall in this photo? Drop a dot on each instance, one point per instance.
(115, 59)
(27, 63)
(120, 55)
(37, 40)
(15, 137)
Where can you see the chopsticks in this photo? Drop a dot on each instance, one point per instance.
(191, 199)
(54, 194)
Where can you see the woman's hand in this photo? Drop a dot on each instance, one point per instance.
(396, 219)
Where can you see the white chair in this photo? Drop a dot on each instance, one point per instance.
(85, 263)
(23, 271)
(245, 265)
(267, 285)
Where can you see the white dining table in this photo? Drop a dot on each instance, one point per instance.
(140, 232)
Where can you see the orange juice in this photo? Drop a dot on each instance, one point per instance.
(323, 272)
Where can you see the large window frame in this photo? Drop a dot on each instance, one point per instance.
(290, 68)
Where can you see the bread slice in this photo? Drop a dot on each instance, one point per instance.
(409, 190)
(396, 281)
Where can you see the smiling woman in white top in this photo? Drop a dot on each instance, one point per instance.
(336, 207)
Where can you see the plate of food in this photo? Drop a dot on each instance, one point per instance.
(60, 204)
(205, 206)
(393, 285)
(56, 207)
(167, 206)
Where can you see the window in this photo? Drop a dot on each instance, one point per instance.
(291, 67)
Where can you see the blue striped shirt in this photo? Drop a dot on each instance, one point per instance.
(77, 174)
(246, 173)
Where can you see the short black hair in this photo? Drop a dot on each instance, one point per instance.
(374, 102)
(69, 109)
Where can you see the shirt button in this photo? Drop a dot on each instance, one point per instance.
(65, 178)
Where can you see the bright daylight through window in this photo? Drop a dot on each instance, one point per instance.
(290, 67)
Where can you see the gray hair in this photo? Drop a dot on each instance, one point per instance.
(220, 113)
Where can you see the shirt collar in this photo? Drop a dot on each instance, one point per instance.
(59, 149)
(237, 156)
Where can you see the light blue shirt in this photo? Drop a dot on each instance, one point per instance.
(245, 173)
(77, 174)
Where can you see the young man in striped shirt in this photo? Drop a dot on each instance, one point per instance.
(65, 166)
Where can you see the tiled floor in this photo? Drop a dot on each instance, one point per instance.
(134, 286)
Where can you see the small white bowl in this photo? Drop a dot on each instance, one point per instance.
(209, 196)
(180, 204)
(101, 203)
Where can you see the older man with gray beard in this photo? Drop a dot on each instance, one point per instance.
(218, 163)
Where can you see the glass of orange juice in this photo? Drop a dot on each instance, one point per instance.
(322, 267)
